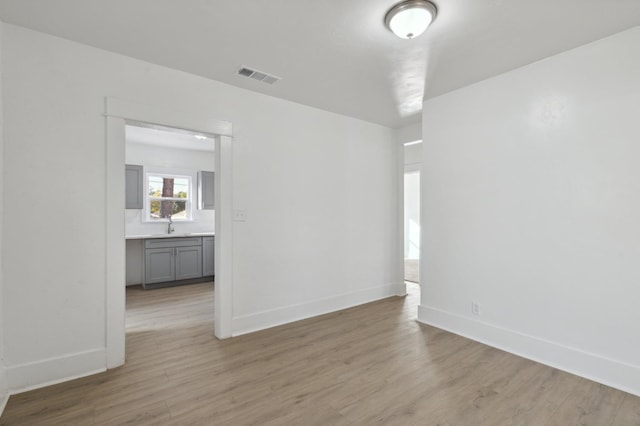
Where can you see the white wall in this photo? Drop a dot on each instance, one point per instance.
(3, 376)
(409, 133)
(412, 157)
(531, 207)
(321, 223)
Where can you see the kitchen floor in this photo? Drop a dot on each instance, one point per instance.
(165, 309)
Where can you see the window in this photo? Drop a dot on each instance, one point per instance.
(168, 196)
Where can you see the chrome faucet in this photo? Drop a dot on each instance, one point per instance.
(170, 226)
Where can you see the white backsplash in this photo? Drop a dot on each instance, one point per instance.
(204, 221)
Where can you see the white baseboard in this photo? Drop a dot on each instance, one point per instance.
(272, 318)
(3, 403)
(399, 289)
(610, 372)
(34, 375)
(4, 388)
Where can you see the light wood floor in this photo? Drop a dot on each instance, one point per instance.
(412, 270)
(372, 364)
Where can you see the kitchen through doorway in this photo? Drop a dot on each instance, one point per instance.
(169, 228)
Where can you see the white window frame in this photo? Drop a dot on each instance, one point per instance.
(169, 174)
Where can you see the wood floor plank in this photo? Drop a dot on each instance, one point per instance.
(156, 413)
(372, 364)
(629, 412)
(591, 403)
(75, 416)
(535, 400)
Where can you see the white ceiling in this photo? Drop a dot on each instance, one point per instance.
(332, 54)
(168, 138)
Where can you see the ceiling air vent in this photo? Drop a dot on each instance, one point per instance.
(258, 75)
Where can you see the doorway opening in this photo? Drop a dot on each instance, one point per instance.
(169, 230)
(412, 227)
(412, 233)
(118, 114)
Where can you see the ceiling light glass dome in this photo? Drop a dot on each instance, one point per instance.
(410, 18)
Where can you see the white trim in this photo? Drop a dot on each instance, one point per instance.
(34, 375)
(4, 387)
(610, 372)
(223, 251)
(279, 316)
(167, 117)
(3, 403)
(118, 113)
(416, 142)
(397, 256)
(115, 251)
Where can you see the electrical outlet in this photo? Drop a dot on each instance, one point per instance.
(239, 215)
(475, 308)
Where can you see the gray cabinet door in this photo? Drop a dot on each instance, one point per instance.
(134, 198)
(206, 190)
(188, 262)
(159, 265)
(208, 247)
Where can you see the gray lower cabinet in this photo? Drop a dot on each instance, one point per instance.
(208, 250)
(172, 260)
(159, 265)
(188, 262)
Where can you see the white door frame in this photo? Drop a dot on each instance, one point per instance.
(398, 258)
(118, 113)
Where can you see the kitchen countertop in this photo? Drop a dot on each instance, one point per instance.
(174, 235)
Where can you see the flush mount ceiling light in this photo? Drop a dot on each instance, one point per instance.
(410, 18)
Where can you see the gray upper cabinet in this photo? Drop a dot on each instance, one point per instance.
(134, 198)
(206, 190)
